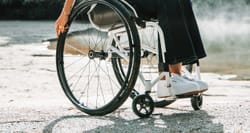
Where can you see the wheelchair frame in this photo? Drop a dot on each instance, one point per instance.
(148, 84)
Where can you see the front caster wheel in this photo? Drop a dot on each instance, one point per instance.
(196, 102)
(143, 105)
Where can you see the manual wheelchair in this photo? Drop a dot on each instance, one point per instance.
(106, 48)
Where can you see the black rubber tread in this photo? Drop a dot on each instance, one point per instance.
(146, 100)
(130, 81)
(196, 102)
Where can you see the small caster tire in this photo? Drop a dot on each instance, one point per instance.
(196, 102)
(143, 106)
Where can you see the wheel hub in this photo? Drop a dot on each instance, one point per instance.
(101, 55)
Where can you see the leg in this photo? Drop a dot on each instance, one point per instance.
(183, 44)
(175, 68)
(181, 86)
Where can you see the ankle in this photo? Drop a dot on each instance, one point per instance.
(173, 73)
(164, 77)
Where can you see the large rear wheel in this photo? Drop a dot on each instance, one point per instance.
(85, 54)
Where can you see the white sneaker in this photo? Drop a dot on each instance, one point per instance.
(183, 87)
(162, 89)
(178, 87)
(203, 85)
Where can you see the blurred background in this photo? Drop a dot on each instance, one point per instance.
(224, 26)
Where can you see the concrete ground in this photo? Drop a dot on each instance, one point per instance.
(32, 101)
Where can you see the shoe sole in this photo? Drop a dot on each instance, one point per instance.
(203, 90)
(190, 94)
(163, 96)
(185, 95)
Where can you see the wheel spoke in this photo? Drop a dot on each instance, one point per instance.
(108, 76)
(88, 83)
(140, 109)
(74, 48)
(112, 89)
(146, 110)
(80, 76)
(70, 77)
(73, 62)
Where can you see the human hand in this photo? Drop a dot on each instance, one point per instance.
(61, 24)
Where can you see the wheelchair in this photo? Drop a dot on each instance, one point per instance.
(106, 48)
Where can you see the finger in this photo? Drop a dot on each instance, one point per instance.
(57, 31)
(63, 29)
(66, 27)
(60, 31)
(57, 34)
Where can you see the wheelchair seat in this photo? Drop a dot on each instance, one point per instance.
(102, 17)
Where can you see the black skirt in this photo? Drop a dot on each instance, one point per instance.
(177, 20)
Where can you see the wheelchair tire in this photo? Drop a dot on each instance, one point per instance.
(86, 74)
(143, 105)
(197, 101)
